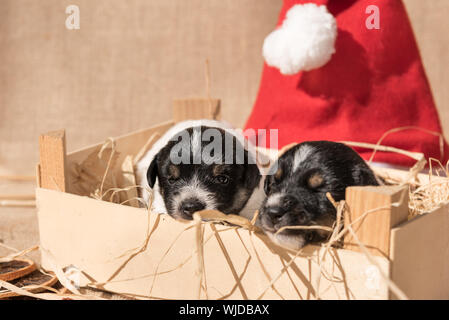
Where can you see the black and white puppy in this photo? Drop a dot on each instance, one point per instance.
(296, 190)
(198, 165)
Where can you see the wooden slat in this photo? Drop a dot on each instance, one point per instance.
(128, 179)
(196, 108)
(52, 149)
(420, 255)
(38, 176)
(374, 229)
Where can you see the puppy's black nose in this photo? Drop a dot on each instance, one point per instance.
(189, 207)
(288, 202)
(274, 212)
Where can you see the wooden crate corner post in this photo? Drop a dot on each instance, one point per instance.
(388, 206)
(52, 161)
(196, 108)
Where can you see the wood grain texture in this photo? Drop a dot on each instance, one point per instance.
(52, 150)
(420, 256)
(389, 207)
(196, 108)
(128, 180)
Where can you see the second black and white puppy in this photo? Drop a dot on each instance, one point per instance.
(199, 165)
(296, 190)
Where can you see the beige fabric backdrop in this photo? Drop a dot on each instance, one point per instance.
(120, 71)
(431, 25)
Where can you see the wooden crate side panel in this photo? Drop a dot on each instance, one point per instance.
(129, 144)
(374, 229)
(95, 236)
(420, 256)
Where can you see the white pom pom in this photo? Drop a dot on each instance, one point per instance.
(305, 41)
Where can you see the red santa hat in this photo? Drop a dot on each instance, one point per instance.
(345, 70)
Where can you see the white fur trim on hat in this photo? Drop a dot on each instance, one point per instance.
(305, 41)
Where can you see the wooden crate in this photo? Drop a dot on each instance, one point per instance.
(130, 251)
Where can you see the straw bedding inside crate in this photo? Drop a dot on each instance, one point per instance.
(102, 176)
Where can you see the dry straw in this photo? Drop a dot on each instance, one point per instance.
(425, 196)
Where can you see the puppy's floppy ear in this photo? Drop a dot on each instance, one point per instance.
(252, 176)
(274, 174)
(252, 173)
(152, 172)
(267, 184)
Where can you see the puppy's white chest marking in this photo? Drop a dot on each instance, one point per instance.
(274, 200)
(301, 155)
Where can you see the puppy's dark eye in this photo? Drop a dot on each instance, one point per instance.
(171, 180)
(221, 179)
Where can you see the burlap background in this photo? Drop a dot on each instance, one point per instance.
(120, 71)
